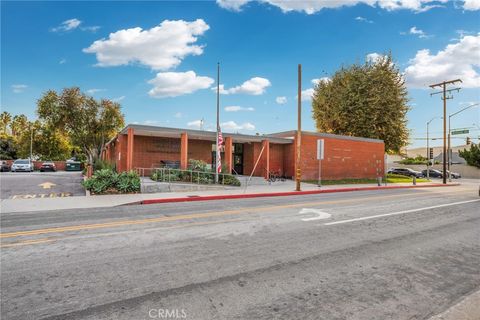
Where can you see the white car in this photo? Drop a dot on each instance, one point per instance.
(22, 165)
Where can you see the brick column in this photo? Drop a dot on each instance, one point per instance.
(228, 154)
(129, 155)
(266, 157)
(184, 151)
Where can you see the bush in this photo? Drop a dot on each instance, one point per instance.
(472, 156)
(417, 160)
(107, 180)
(230, 180)
(102, 164)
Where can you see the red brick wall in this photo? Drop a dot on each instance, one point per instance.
(276, 158)
(343, 158)
(201, 150)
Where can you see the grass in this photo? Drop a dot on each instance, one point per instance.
(391, 178)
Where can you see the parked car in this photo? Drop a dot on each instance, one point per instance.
(22, 165)
(454, 175)
(48, 166)
(434, 173)
(4, 166)
(406, 172)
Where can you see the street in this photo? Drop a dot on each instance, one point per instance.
(31, 185)
(389, 254)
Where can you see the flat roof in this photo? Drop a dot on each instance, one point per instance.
(285, 137)
(292, 133)
(154, 131)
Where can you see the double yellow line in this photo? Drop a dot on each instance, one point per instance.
(114, 224)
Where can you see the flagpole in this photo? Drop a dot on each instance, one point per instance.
(217, 150)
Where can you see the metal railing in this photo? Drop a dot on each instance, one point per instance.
(172, 175)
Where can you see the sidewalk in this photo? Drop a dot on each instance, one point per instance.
(276, 189)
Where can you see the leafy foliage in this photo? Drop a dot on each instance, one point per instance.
(87, 122)
(108, 181)
(472, 156)
(368, 100)
(417, 160)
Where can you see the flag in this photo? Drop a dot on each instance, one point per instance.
(219, 148)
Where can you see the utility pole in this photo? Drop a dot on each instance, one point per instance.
(444, 92)
(31, 142)
(298, 173)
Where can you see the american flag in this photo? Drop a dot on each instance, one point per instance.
(219, 147)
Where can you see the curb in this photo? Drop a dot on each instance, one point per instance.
(287, 193)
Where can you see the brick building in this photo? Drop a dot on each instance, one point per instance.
(141, 146)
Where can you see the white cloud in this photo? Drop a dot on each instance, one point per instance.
(238, 108)
(173, 84)
(19, 88)
(281, 100)
(233, 5)
(458, 60)
(160, 48)
(67, 25)
(197, 124)
(471, 5)
(118, 99)
(90, 28)
(150, 122)
(178, 115)
(255, 86)
(420, 33)
(62, 61)
(313, 6)
(232, 125)
(374, 57)
(362, 19)
(93, 91)
(322, 79)
(307, 94)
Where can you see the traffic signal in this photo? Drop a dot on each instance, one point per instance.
(469, 141)
(430, 154)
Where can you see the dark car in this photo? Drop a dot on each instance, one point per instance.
(406, 172)
(48, 166)
(4, 166)
(433, 173)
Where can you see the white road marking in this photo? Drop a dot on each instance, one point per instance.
(320, 214)
(399, 212)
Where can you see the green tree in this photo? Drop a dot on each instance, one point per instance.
(8, 149)
(472, 156)
(19, 125)
(89, 123)
(366, 100)
(5, 119)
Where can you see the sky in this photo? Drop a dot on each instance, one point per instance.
(158, 59)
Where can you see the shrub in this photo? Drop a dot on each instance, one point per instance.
(230, 180)
(102, 164)
(105, 180)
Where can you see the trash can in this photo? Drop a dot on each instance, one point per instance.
(73, 166)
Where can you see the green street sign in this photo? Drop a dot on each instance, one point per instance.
(463, 131)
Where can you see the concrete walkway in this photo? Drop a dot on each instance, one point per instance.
(43, 204)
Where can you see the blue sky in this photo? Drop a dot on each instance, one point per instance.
(158, 59)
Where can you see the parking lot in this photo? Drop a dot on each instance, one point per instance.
(30, 185)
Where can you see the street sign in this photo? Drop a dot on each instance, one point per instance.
(462, 131)
(320, 149)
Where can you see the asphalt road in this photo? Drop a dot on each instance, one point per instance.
(28, 185)
(396, 254)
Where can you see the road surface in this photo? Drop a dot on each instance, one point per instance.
(391, 254)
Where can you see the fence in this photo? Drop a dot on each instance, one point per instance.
(172, 175)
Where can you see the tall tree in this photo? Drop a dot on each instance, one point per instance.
(366, 100)
(5, 119)
(19, 125)
(89, 123)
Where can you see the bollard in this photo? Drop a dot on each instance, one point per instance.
(414, 180)
(379, 181)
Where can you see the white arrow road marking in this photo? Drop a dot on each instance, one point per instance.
(47, 185)
(320, 214)
(399, 212)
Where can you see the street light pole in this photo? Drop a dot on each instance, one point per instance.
(449, 133)
(298, 173)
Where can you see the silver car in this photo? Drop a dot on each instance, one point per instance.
(22, 165)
